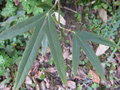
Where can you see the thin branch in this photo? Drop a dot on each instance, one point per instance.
(69, 9)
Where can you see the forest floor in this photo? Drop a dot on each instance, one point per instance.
(44, 76)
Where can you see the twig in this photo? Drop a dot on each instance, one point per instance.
(92, 2)
(69, 9)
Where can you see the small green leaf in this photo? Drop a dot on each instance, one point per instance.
(56, 49)
(75, 55)
(91, 55)
(95, 38)
(30, 54)
(22, 27)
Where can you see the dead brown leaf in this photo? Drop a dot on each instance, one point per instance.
(118, 69)
(103, 14)
(101, 49)
(38, 74)
(95, 78)
(71, 84)
(66, 54)
(117, 57)
(47, 82)
(81, 73)
(17, 2)
(42, 86)
(7, 88)
(28, 81)
(62, 20)
(51, 70)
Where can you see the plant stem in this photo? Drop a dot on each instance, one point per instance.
(115, 49)
(53, 6)
(59, 11)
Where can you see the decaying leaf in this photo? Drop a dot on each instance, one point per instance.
(103, 14)
(7, 88)
(66, 53)
(51, 70)
(47, 82)
(81, 73)
(101, 49)
(95, 78)
(38, 74)
(117, 57)
(28, 81)
(62, 20)
(17, 2)
(71, 84)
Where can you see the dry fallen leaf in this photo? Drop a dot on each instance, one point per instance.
(71, 84)
(6, 88)
(47, 82)
(38, 74)
(118, 69)
(60, 87)
(28, 81)
(81, 73)
(62, 20)
(117, 57)
(66, 53)
(95, 78)
(51, 70)
(103, 14)
(42, 86)
(101, 49)
(17, 2)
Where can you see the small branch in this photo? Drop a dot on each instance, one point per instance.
(69, 9)
(90, 3)
(68, 30)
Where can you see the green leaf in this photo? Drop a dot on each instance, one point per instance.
(56, 49)
(75, 55)
(30, 54)
(95, 38)
(22, 27)
(91, 55)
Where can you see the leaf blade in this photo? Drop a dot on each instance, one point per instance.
(92, 57)
(29, 55)
(75, 54)
(95, 38)
(56, 49)
(22, 27)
